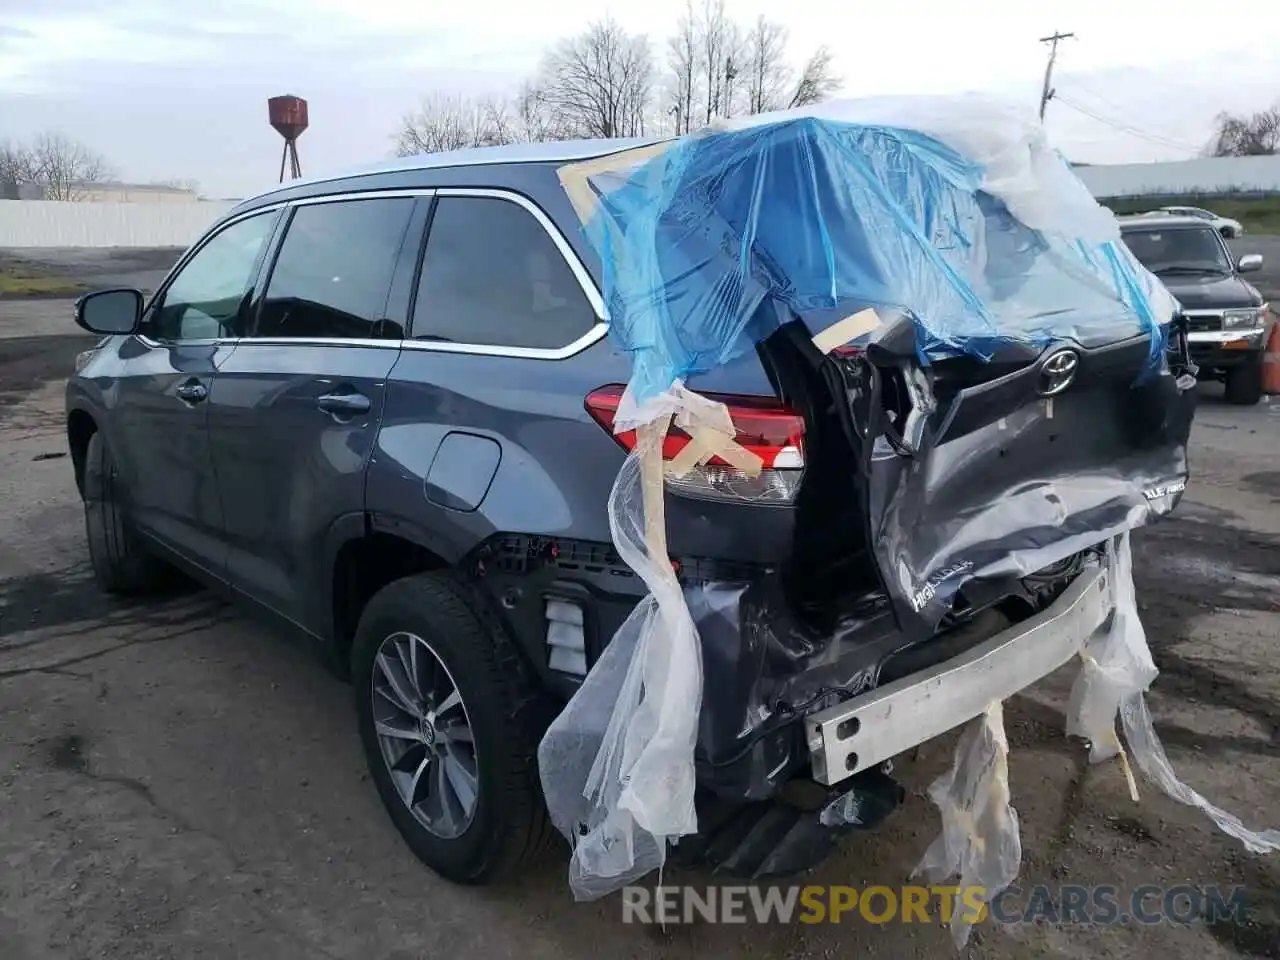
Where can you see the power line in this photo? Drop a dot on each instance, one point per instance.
(1155, 138)
(1115, 110)
(1124, 127)
(1046, 92)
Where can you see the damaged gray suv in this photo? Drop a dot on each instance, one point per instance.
(380, 407)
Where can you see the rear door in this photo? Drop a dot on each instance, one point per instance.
(159, 434)
(294, 411)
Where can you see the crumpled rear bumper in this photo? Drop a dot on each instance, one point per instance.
(877, 725)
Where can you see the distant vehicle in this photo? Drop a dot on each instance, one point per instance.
(1224, 225)
(1226, 317)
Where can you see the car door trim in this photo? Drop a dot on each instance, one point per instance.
(595, 334)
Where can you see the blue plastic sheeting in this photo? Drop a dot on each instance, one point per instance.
(710, 245)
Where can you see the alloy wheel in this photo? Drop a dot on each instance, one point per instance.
(424, 735)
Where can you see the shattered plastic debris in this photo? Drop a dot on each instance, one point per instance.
(979, 843)
(1117, 671)
(844, 811)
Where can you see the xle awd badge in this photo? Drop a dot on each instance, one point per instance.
(1057, 371)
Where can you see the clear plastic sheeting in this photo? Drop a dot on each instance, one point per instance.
(976, 230)
(979, 844)
(621, 795)
(1117, 671)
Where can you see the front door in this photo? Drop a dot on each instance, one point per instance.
(160, 438)
(294, 410)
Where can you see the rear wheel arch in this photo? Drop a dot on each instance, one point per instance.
(361, 567)
(81, 426)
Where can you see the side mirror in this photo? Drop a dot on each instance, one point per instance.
(110, 311)
(1250, 263)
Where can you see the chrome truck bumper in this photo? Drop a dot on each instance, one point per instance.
(889, 720)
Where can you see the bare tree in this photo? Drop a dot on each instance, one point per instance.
(767, 74)
(683, 57)
(1239, 136)
(17, 165)
(535, 119)
(718, 40)
(817, 80)
(599, 83)
(66, 168)
(445, 122)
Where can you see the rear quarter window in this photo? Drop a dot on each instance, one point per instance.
(493, 276)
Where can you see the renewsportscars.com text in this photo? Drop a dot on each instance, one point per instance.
(1068, 904)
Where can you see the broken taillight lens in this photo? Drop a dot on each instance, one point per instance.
(764, 426)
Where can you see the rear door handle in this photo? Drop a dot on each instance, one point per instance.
(193, 391)
(344, 403)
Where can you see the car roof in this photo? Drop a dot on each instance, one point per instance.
(556, 151)
(1159, 218)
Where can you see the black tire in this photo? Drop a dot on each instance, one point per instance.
(509, 827)
(1244, 382)
(120, 563)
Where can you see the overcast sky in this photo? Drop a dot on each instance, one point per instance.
(177, 88)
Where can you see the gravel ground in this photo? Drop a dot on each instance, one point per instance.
(180, 781)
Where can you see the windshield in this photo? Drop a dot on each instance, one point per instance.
(1180, 250)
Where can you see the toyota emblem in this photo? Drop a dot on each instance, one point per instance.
(1057, 371)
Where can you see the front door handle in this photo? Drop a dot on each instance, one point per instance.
(344, 404)
(193, 391)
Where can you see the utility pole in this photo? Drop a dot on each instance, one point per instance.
(1046, 93)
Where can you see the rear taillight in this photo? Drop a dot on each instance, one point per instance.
(764, 426)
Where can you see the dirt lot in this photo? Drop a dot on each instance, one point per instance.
(179, 781)
(63, 271)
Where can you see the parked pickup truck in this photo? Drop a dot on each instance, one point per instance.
(1228, 323)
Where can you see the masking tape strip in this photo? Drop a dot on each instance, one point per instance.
(650, 436)
(705, 444)
(1089, 660)
(574, 176)
(850, 328)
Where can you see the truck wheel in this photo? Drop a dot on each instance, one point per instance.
(1244, 382)
(450, 725)
(120, 563)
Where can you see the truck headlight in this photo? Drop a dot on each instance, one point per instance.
(1242, 319)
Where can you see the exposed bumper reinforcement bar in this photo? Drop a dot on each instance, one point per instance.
(889, 720)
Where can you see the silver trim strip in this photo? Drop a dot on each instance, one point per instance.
(592, 336)
(361, 195)
(1223, 336)
(875, 726)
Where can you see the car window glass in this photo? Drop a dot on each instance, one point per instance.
(334, 269)
(1180, 249)
(492, 275)
(206, 298)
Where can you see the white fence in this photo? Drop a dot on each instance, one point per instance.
(49, 223)
(1209, 175)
